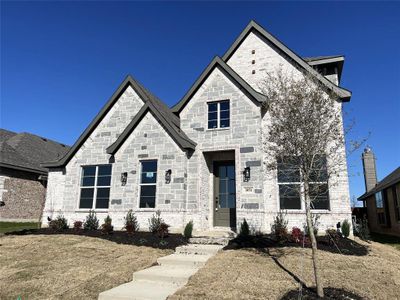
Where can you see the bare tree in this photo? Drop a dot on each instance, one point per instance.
(304, 139)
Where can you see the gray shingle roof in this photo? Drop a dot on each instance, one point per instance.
(26, 151)
(165, 116)
(386, 182)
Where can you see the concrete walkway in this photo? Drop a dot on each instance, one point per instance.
(171, 273)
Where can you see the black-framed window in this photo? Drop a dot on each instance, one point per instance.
(148, 183)
(218, 114)
(291, 183)
(95, 187)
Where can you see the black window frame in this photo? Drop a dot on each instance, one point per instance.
(218, 114)
(146, 187)
(96, 188)
(321, 201)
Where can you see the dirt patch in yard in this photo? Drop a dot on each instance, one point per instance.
(274, 273)
(68, 266)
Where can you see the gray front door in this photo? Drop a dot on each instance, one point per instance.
(224, 194)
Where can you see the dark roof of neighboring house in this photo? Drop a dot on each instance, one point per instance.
(26, 151)
(229, 72)
(386, 182)
(169, 120)
(344, 94)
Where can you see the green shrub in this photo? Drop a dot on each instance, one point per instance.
(155, 222)
(91, 222)
(346, 228)
(361, 229)
(188, 230)
(107, 228)
(59, 224)
(279, 227)
(244, 229)
(131, 223)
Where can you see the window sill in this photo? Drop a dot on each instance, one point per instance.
(98, 210)
(302, 211)
(218, 129)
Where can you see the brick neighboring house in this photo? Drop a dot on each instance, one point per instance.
(22, 180)
(201, 160)
(382, 199)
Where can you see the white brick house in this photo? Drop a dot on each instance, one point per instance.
(189, 161)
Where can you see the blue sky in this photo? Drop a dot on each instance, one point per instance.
(61, 61)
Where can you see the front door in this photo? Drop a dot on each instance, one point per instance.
(224, 194)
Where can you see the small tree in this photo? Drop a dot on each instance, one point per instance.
(131, 222)
(188, 230)
(304, 135)
(244, 229)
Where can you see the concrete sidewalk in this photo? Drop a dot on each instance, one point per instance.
(171, 273)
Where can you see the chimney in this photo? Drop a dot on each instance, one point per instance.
(368, 159)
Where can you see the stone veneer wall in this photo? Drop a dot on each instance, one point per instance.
(23, 195)
(189, 195)
(243, 137)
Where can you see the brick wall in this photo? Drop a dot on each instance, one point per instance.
(23, 195)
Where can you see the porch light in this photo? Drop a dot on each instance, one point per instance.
(246, 174)
(124, 178)
(168, 176)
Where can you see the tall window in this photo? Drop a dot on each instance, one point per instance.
(218, 114)
(380, 208)
(379, 200)
(148, 182)
(290, 184)
(95, 187)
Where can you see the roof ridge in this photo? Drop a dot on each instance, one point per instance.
(206, 72)
(343, 93)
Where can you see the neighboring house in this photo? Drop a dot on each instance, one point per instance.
(22, 179)
(201, 160)
(382, 199)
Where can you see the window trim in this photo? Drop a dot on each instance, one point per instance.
(218, 102)
(301, 191)
(147, 184)
(95, 187)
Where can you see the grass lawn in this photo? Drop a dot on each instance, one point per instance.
(68, 266)
(14, 226)
(251, 274)
(386, 239)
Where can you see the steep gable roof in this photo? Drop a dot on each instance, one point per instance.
(176, 134)
(26, 151)
(229, 72)
(386, 182)
(253, 26)
(168, 119)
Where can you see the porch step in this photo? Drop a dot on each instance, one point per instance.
(139, 290)
(177, 275)
(190, 260)
(219, 232)
(206, 240)
(198, 249)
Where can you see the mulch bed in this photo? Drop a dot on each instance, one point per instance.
(329, 293)
(343, 246)
(121, 237)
